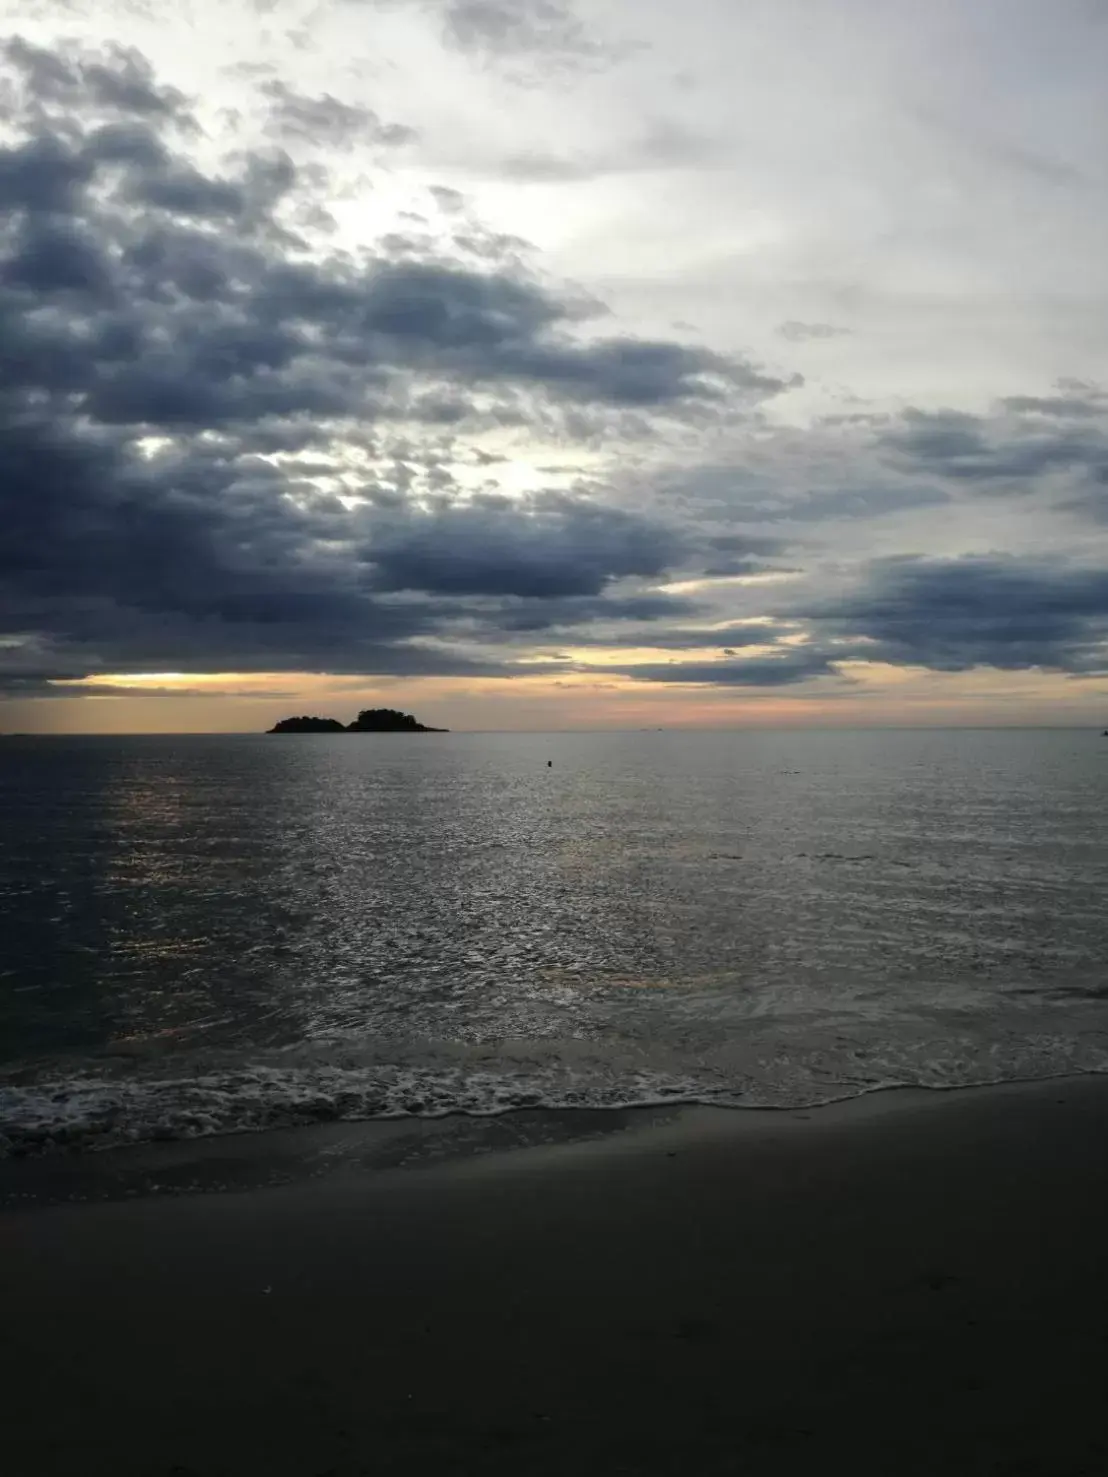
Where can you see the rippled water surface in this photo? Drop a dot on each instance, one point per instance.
(200, 934)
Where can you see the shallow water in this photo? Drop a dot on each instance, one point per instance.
(203, 934)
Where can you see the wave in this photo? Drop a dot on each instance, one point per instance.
(90, 1111)
(94, 1109)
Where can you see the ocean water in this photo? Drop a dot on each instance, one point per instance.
(210, 934)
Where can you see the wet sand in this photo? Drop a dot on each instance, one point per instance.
(911, 1283)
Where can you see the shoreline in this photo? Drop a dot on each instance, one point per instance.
(251, 1159)
(70, 1139)
(70, 1171)
(912, 1281)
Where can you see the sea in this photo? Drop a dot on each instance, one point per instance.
(212, 934)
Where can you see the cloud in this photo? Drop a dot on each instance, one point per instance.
(642, 372)
(548, 34)
(514, 25)
(799, 333)
(113, 79)
(547, 546)
(793, 665)
(449, 201)
(812, 477)
(1060, 406)
(225, 327)
(947, 615)
(168, 341)
(233, 440)
(526, 616)
(53, 257)
(326, 121)
(687, 638)
(113, 563)
(1025, 439)
(987, 610)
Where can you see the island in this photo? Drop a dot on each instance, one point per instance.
(308, 725)
(369, 720)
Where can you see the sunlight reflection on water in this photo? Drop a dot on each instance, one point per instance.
(710, 910)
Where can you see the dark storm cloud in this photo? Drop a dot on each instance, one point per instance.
(202, 307)
(952, 440)
(569, 613)
(610, 619)
(746, 544)
(955, 614)
(40, 175)
(51, 257)
(130, 143)
(548, 547)
(164, 334)
(731, 556)
(638, 372)
(736, 568)
(687, 638)
(794, 664)
(111, 562)
(948, 615)
(185, 191)
(1036, 437)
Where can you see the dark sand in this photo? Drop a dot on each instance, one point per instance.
(907, 1284)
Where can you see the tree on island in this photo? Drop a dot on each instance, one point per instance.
(369, 720)
(388, 720)
(308, 725)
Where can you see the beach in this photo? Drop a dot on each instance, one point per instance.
(910, 1282)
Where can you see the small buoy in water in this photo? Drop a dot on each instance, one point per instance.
(550, 764)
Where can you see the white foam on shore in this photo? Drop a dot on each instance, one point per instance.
(95, 1112)
(98, 1108)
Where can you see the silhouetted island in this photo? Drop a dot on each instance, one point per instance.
(309, 725)
(369, 720)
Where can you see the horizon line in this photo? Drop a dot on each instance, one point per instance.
(547, 732)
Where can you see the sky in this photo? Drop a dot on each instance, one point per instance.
(553, 364)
